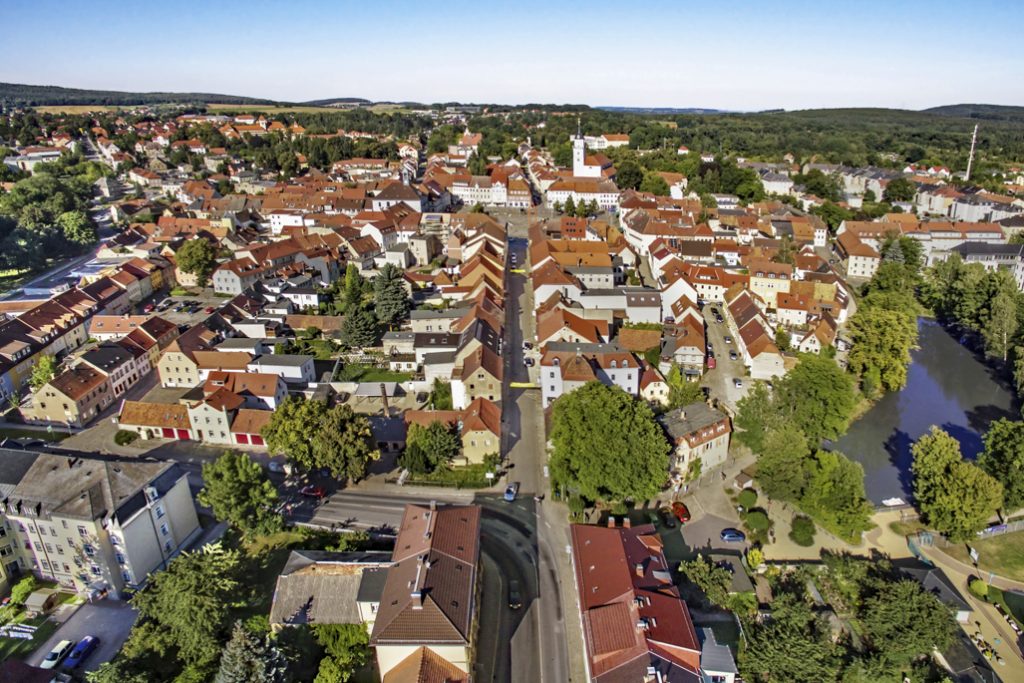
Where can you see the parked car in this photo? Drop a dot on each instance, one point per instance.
(58, 653)
(515, 600)
(209, 309)
(667, 518)
(733, 355)
(511, 491)
(528, 362)
(737, 382)
(312, 491)
(527, 346)
(85, 647)
(733, 536)
(728, 339)
(148, 308)
(275, 466)
(681, 512)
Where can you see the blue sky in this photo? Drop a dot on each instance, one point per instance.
(738, 55)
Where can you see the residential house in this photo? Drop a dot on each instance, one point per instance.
(699, 435)
(99, 525)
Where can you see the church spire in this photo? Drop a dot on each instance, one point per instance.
(579, 129)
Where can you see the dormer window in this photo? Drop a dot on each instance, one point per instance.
(555, 362)
(625, 364)
(614, 365)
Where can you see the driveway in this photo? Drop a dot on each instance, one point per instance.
(704, 535)
(110, 620)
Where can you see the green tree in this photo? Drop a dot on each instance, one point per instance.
(315, 436)
(247, 660)
(832, 214)
(1001, 324)
(654, 184)
(24, 588)
(680, 391)
(628, 175)
(834, 495)
(427, 448)
(43, 371)
(882, 340)
(781, 466)
(188, 603)
(595, 420)
(348, 645)
(791, 646)
(391, 299)
(899, 190)
(77, 228)
(904, 622)
(782, 339)
(360, 329)
(236, 488)
(818, 397)
(1003, 459)
(569, 207)
(713, 581)
(756, 415)
(955, 497)
(197, 257)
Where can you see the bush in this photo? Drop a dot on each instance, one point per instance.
(757, 520)
(125, 437)
(576, 506)
(802, 532)
(21, 590)
(747, 498)
(755, 558)
(979, 588)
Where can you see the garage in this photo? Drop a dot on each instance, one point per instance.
(242, 439)
(168, 432)
(183, 435)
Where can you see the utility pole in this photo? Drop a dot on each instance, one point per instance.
(970, 157)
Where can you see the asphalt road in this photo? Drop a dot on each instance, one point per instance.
(720, 380)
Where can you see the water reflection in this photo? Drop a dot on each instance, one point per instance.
(946, 386)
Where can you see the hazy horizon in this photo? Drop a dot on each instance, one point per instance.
(788, 54)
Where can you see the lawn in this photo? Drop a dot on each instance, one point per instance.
(467, 477)
(1002, 554)
(269, 108)
(12, 433)
(354, 372)
(16, 647)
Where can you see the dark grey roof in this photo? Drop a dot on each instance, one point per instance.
(283, 360)
(436, 339)
(713, 656)
(688, 419)
(583, 348)
(372, 584)
(163, 483)
(935, 581)
(13, 466)
(985, 248)
(107, 357)
(387, 429)
(430, 314)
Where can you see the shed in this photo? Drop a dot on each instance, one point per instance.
(42, 600)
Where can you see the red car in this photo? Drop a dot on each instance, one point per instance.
(681, 512)
(149, 308)
(210, 309)
(312, 491)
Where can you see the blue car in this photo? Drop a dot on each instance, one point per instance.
(733, 536)
(85, 647)
(511, 491)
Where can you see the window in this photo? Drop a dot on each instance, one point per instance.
(126, 576)
(39, 546)
(31, 527)
(167, 546)
(95, 569)
(82, 531)
(49, 548)
(164, 530)
(88, 550)
(60, 549)
(120, 558)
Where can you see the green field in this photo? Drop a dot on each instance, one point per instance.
(1003, 554)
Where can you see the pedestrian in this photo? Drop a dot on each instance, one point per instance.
(723, 475)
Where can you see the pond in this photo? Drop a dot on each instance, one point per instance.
(948, 386)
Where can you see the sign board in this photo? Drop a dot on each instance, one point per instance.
(974, 555)
(489, 475)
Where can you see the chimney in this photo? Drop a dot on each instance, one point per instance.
(384, 397)
(625, 522)
(611, 521)
(639, 569)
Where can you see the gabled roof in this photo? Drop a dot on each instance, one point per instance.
(428, 597)
(425, 666)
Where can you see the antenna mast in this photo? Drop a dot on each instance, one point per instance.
(970, 158)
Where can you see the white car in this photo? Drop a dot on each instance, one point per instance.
(737, 383)
(57, 654)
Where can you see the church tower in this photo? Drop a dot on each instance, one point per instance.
(579, 151)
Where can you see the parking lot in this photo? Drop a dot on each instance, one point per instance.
(109, 620)
(181, 310)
